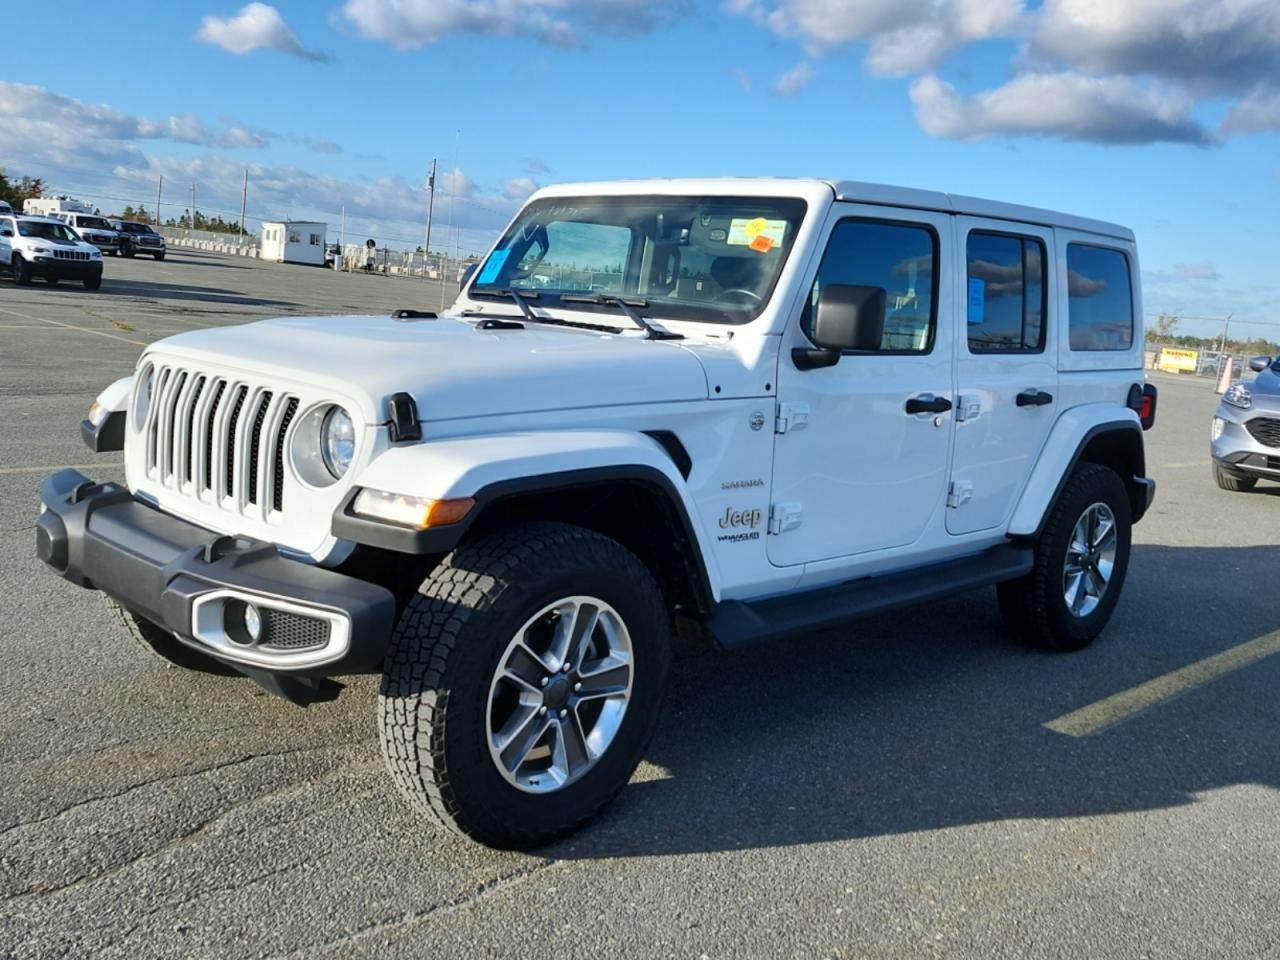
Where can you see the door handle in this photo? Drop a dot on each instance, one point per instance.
(928, 403)
(1034, 398)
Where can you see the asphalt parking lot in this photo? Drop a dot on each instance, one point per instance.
(890, 789)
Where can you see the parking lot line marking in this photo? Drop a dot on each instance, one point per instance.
(65, 466)
(71, 326)
(1121, 706)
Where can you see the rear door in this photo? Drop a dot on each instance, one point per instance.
(1006, 368)
(6, 243)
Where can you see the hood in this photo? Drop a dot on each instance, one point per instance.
(1267, 382)
(452, 368)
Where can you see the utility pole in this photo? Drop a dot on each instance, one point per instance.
(1226, 326)
(431, 202)
(453, 189)
(193, 207)
(159, 188)
(244, 201)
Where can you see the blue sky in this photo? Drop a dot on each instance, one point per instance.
(1165, 116)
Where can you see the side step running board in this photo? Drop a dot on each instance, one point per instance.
(738, 623)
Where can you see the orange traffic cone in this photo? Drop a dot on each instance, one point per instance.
(1224, 381)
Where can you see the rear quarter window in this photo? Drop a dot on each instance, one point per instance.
(1099, 297)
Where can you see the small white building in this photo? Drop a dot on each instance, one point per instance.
(48, 206)
(294, 241)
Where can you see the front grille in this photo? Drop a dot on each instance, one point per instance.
(71, 255)
(292, 631)
(1266, 430)
(218, 439)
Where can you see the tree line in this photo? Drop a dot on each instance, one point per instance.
(1164, 333)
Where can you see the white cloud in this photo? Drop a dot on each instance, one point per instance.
(518, 188)
(59, 116)
(1209, 44)
(1256, 113)
(794, 80)
(411, 24)
(903, 36)
(1068, 106)
(258, 26)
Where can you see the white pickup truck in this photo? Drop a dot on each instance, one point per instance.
(741, 408)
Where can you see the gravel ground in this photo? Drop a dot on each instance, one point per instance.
(887, 789)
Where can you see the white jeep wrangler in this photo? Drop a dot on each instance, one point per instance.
(746, 407)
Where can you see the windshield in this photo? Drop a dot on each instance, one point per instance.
(136, 228)
(46, 230)
(93, 223)
(713, 259)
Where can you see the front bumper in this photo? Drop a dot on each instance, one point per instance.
(65, 269)
(1239, 452)
(195, 582)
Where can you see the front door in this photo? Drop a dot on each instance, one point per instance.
(1006, 368)
(863, 473)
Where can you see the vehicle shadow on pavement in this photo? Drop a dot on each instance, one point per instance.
(185, 291)
(934, 718)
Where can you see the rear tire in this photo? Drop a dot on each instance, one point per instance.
(513, 762)
(51, 281)
(1228, 481)
(21, 270)
(160, 644)
(1069, 595)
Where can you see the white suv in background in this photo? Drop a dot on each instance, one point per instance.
(47, 248)
(93, 229)
(747, 408)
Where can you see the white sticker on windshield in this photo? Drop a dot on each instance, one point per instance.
(745, 232)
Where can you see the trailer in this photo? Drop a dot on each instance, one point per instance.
(48, 206)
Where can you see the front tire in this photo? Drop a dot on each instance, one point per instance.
(92, 283)
(159, 256)
(524, 682)
(1229, 481)
(21, 270)
(1081, 560)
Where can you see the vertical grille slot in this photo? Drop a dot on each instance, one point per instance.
(230, 473)
(189, 430)
(255, 445)
(277, 486)
(167, 432)
(210, 427)
(158, 387)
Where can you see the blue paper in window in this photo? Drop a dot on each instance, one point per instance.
(977, 300)
(493, 266)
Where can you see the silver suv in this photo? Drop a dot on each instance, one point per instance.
(1245, 438)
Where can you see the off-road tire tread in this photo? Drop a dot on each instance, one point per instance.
(429, 633)
(1226, 481)
(1025, 602)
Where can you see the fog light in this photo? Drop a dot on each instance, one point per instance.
(1218, 426)
(252, 622)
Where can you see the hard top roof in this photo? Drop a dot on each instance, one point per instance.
(849, 190)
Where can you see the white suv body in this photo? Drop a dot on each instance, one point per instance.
(790, 402)
(93, 229)
(47, 248)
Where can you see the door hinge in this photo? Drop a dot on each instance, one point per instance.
(968, 407)
(791, 416)
(784, 517)
(960, 493)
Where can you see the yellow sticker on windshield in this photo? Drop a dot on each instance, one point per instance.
(744, 232)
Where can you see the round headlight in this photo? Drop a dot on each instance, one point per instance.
(337, 441)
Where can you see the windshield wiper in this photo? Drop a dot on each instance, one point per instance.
(627, 307)
(517, 296)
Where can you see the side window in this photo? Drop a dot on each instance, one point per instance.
(899, 257)
(1100, 298)
(1006, 293)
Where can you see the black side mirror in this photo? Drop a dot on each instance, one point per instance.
(466, 275)
(6, 232)
(1258, 364)
(848, 317)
